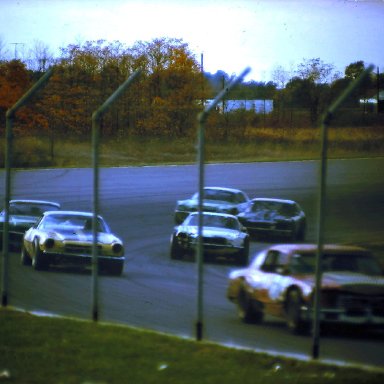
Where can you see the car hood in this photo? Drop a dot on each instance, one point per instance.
(264, 215)
(83, 236)
(214, 232)
(349, 282)
(208, 203)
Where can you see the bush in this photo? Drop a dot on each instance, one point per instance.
(29, 152)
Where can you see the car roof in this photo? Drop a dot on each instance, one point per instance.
(30, 201)
(73, 213)
(225, 189)
(290, 248)
(274, 200)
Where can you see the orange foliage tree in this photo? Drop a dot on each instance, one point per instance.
(162, 101)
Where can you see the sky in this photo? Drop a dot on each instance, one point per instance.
(230, 35)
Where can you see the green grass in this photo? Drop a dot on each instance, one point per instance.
(54, 350)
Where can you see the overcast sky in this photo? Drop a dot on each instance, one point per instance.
(231, 34)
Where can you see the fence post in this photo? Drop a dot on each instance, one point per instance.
(96, 116)
(322, 204)
(10, 115)
(202, 117)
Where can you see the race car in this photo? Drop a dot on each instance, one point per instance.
(22, 215)
(223, 238)
(281, 282)
(277, 218)
(66, 237)
(216, 199)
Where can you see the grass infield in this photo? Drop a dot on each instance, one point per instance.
(36, 349)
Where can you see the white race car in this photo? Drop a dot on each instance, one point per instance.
(66, 237)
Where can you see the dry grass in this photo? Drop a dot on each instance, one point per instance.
(259, 144)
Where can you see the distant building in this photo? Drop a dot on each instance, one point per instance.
(374, 100)
(258, 106)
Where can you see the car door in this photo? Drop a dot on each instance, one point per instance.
(273, 278)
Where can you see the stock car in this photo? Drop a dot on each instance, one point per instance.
(66, 237)
(280, 282)
(223, 238)
(216, 199)
(274, 218)
(22, 215)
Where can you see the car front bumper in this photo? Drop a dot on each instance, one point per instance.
(269, 229)
(363, 316)
(80, 259)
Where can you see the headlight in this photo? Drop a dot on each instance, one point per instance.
(117, 248)
(49, 243)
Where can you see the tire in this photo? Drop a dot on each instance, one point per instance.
(39, 263)
(243, 255)
(25, 257)
(301, 233)
(176, 252)
(246, 309)
(295, 323)
(116, 268)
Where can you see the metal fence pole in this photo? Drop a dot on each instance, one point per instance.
(10, 115)
(202, 117)
(96, 116)
(322, 205)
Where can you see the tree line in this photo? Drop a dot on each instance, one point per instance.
(167, 96)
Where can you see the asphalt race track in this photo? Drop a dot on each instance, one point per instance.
(157, 293)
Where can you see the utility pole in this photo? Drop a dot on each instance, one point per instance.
(16, 44)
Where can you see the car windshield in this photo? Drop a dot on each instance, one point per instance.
(220, 195)
(217, 221)
(282, 208)
(30, 209)
(346, 262)
(71, 222)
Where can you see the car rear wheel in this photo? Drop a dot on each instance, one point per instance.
(39, 262)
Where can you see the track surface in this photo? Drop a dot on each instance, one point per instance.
(157, 293)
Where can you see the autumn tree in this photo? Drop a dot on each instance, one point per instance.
(310, 87)
(14, 82)
(172, 86)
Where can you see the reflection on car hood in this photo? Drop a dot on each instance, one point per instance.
(349, 281)
(214, 231)
(265, 215)
(83, 236)
(208, 203)
(215, 203)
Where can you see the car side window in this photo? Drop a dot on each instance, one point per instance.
(274, 260)
(240, 198)
(269, 264)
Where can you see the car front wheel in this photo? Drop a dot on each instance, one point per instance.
(176, 251)
(39, 262)
(116, 268)
(294, 319)
(25, 257)
(243, 255)
(246, 309)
